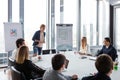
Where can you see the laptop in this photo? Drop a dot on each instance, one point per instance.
(66, 65)
(46, 51)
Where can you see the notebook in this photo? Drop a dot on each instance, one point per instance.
(92, 58)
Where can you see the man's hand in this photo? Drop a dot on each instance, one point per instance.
(74, 77)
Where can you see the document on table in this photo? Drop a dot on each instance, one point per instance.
(92, 58)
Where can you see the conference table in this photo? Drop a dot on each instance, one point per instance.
(78, 64)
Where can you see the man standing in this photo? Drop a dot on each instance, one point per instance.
(39, 39)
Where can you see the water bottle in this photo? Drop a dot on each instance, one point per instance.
(116, 65)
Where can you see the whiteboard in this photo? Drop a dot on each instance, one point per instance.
(64, 37)
(12, 31)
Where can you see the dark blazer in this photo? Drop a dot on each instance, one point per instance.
(98, 76)
(29, 69)
(111, 51)
(36, 36)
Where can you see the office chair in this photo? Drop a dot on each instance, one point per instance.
(47, 51)
(53, 51)
(10, 63)
(17, 75)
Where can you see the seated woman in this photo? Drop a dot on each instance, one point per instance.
(23, 64)
(84, 48)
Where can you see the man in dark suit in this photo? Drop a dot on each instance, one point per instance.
(104, 65)
(108, 49)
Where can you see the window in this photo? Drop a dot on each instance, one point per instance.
(88, 20)
(70, 16)
(15, 10)
(103, 21)
(34, 16)
(3, 18)
(117, 25)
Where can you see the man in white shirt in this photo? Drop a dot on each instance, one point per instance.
(19, 42)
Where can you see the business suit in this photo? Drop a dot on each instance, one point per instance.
(29, 69)
(111, 51)
(98, 76)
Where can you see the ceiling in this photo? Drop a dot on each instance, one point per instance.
(113, 2)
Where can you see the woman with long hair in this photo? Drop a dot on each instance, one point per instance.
(23, 64)
(84, 48)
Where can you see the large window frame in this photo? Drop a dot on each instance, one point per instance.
(116, 28)
(34, 16)
(89, 21)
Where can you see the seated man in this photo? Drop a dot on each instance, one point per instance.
(108, 49)
(19, 42)
(104, 65)
(58, 64)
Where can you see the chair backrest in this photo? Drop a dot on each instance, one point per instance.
(47, 51)
(10, 62)
(53, 51)
(16, 75)
(67, 62)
